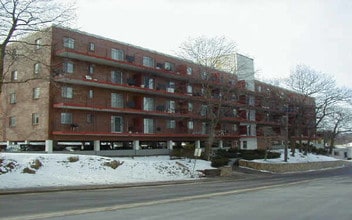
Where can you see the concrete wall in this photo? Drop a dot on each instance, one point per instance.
(293, 167)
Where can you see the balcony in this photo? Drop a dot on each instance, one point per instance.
(128, 65)
(131, 111)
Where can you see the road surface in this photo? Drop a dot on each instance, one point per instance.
(313, 195)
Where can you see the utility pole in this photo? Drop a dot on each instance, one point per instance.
(284, 126)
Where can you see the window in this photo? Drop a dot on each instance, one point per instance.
(68, 67)
(189, 90)
(116, 100)
(116, 76)
(69, 42)
(190, 124)
(90, 118)
(116, 54)
(116, 124)
(12, 121)
(170, 106)
(169, 66)
(91, 68)
(190, 106)
(90, 94)
(171, 124)
(91, 46)
(148, 126)
(13, 98)
(38, 43)
(36, 93)
(204, 128)
(37, 68)
(148, 82)
(244, 145)
(66, 118)
(148, 61)
(67, 92)
(235, 127)
(203, 110)
(35, 118)
(189, 70)
(148, 104)
(14, 75)
(171, 87)
(204, 75)
(234, 112)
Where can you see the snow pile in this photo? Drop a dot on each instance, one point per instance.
(20, 170)
(298, 158)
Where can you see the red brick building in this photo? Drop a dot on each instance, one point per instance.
(69, 88)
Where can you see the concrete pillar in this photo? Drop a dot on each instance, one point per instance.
(49, 146)
(136, 145)
(97, 145)
(221, 144)
(197, 143)
(169, 144)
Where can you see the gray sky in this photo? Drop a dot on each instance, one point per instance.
(278, 34)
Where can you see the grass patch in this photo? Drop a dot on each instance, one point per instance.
(113, 164)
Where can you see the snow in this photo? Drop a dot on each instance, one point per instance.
(61, 170)
(57, 170)
(298, 158)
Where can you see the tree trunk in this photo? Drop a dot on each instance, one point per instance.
(2, 59)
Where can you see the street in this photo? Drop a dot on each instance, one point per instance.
(312, 195)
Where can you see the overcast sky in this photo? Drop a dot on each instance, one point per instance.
(278, 34)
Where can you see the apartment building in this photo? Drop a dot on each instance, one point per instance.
(73, 90)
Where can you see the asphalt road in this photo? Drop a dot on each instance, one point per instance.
(313, 195)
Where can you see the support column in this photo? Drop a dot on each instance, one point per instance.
(49, 146)
(97, 145)
(221, 144)
(197, 143)
(169, 144)
(136, 145)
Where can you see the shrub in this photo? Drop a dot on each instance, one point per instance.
(257, 154)
(219, 161)
(183, 152)
(113, 164)
(36, 164)
(231, 153)
(28, 170)
(73, 159)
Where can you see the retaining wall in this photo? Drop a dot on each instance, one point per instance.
(293, 167)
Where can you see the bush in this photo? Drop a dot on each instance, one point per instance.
(183, 152)
(113, 164)
(257, 154)
(231, 153)
(73, 159)
(219, 161)
(36, 164)
(28, 170)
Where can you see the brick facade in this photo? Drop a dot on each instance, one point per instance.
(93, 88)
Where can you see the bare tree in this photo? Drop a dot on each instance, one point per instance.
(209, 54)
(20, 17)
(336, 123)
(322, 87)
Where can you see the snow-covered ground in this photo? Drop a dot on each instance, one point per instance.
(298, 158)
(62, 170)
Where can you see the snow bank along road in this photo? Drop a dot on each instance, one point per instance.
(68, 204)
